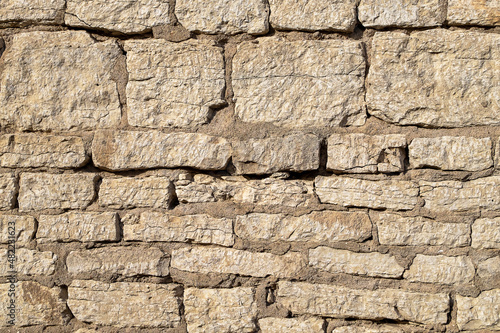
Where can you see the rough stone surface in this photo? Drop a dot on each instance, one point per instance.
(161, 227)
(35, 11)
(482, 312)
(352, 192)
(39, 191)
(24, 229)
(384, 328)
(270, 77)
(474, 12)
(8, 191)
(489, 268)
(451, 153)
(291, 325)
(296, 152)
(66, 82)
(127, 150)
(173, 84)
(223, 16)
(129, 16)
(220, 310)
(231, 261)
(441, 269)
(361, 153)
(77, 226)
(444, 78)
(125, 304)
(343, 261)
(28, 262)
(486, 233)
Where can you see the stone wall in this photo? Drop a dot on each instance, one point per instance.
(250, 166)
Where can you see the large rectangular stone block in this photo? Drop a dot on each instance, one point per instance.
(27, 262)
(441, 269)
(20, 229)
(474, 12)
(486, 233)
(15, 12)
(291, 325)
(8, 191)
(482, 312)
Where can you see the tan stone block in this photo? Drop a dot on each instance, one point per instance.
(480, 312)
(18, 228)
(474, 12)
(8, 191)
(384, 328)
(27, 262)
(441, 269)
(15, 12)
(489, 268)
(291, 325)
(486, 233)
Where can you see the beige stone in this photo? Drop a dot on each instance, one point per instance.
(230, 261)
(384, 328)
(161, 227)
(439, 78)
(441, 269)
(343, 261)
(311, 15)
(451, 153)
(127, 150)
(23, 232)
(343, 302)
(129, 16)
(291, 325)
(27, 262)
(34, 11)
(78, 226)
(8, 191)
(125, 304)
(129, 192)
(486, 233)
(474, 12)
(296, 152)
(220, 310)
(59, 81)
(361, 153)
(481, 312)
(489, 268)
(352, 192)
(270, 77)
(35, 150)
(173, 84)
(223, 16)
(39, 191)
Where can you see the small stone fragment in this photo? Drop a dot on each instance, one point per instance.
(172, 33)
(486, 233)
(441, 269)
(8, 191)
(27, 262)
(474, 12)
(23, 232)
(15, 12)
(481, 312)
(291, 325)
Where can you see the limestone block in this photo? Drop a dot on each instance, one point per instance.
(8, 191)
(441, 269)
(27, 262)
(34, 11)
(474, 12)
(18, 228)
(486, 233)
(291, 325)
(480, 312)
(489, 268)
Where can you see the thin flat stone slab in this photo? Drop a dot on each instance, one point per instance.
(15, 12)
(474, 12)
(482, 312)
(291, 325)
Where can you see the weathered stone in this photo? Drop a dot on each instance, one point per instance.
(402, 13)
(39, 191)
(352, 192)
(127, 150)
(295, 152)
(128, 192)
(80, 227)
(311, 15)
(474, 12)
(36, 11)
(24, 229)
(291, 325)
(125, 304)
(480, 312)
(343, 302)
(361, 153)
(27, 262)
(59, 81)
(384, 328)
(129, 16)
(8, 191)
(444, 78)
(231, 261)
(220, 310)
(270, 77)
(451, 153)
(486, 233)
(223, 16)
(126, 261)
(394, 229)
(343, 261)
(160, 227)
(489, 268)
(34, 150)
(441, 269)
(173, 84)
(323, 226)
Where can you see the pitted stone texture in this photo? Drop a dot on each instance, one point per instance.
(444, 78)
(33, 11)
(441, 269)
(129, 16)
(481, 312)
(24, 229)
(129, 192)
(291, 325)
(28, 262)
(451, 153)
(59, 81)
(394, 229)
(125, 304)
(128, 150)
(161, 227)
(223, 16)
(230, 261)
(270, 77)
(474, 12)
(352, 192)
(78, 226)
(361, 153)
(343, 261)
(489, 268)
(384, 328)
(343, 302)
(402, 13)
(486, 233)
(220, 310)
(34, 150)
(321, 227)
(8, 191)
(296, 152)
(126, 261)
(38, 191)
(173, 84)
(311, 15)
